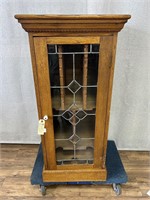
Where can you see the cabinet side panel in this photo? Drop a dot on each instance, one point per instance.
(45, 99)
(102, 96)
(113, 49)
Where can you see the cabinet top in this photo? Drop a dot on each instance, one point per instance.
(88, 16)
(73, 23)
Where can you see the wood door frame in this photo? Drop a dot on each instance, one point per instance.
(41, 56)
(105, 55)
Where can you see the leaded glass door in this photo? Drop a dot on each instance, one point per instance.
(68, 75)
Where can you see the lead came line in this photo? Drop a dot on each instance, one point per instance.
(70, 53)
(67, 87)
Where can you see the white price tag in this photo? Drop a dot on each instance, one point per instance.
(41, 127)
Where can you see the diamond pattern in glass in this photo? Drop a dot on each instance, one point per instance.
(74, 139)
(74, 120)
(73, 108)
(67, 115)
(81, 114)
(74, 86)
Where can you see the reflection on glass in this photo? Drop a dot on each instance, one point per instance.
(73, 77)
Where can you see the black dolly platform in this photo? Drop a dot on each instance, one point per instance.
(116, 174)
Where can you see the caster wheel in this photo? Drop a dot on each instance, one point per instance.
(43, 190)
(117, 188)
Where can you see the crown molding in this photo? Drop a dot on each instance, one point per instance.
(72, 23)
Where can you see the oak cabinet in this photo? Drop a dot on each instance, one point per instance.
(73, 65)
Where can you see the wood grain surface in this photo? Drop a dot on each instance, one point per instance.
(16, 163)
(72, 23)
(45, 100)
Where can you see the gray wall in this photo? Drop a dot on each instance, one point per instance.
(130, 106)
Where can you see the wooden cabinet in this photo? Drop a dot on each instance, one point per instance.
(73, 65)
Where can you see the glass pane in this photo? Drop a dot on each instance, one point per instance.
(59, 102)
(73, 77)
(87, 127)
